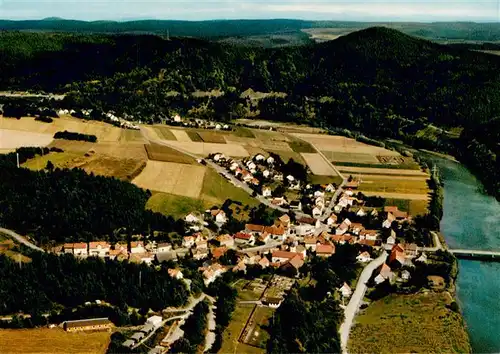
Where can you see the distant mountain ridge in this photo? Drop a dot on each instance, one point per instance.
(211, 29)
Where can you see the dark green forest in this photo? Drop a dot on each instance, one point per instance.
(71, 205)
(49, 281)
(378, 81)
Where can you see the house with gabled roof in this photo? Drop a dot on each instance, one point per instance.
(385, 273)
(345, 290)
(77, 249)
(325, 250)
(225, 240)
(364, 257)
(241, 237)
(99, 249)
(398, 214)
(175, 273)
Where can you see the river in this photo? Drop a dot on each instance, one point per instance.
(472, 220)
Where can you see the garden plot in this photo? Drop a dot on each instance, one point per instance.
(381, 171)
(318, 165)
(173, 178)
(12, 139)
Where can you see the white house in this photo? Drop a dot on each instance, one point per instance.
(364, 257)
(177, 118)
(310, 242)
(226, 240)
(156, 321)
(270, 160)
(188, 241)
(200, 253)
(233, 166)
(345, 290)
(422, 258)
(330, 188)
(317, 211)
(163, 247)
(266, 192)
(319, 194)
(259, 158)
(251, 165)
(211, 273)
(266, 173)
(361, 212)
(220, 216)
(137, 247)
(175, 273)
(290, 178)
(218, 127)
(191, 218)
(405, 275)
(78, 249)
(391, 240)
(385, 274)
(332, 219)
(100, 249)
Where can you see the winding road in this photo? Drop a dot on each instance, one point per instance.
(20, 239)
(356, 298)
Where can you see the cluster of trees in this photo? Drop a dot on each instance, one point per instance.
(194, 331)
(71, 205)
(49, 281)
(299, 326)
(75, 136)
(225, 305)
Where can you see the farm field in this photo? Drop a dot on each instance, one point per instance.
(318, 165)
(324, 179)
(173, 178)
(131, 150)
(164, 132)
(131, 135)
(423, 320)
(389, 185)
(181, 135)
(103, 131)
(167, 154)
(336, 156)
(124, 169)
(396, 195)
(12, 139)
(59, 159)
(204, 149)
(287, 155)
(212, 137)
(382, 171)
(342, 144)
(55, 340)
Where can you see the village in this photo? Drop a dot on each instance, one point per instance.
(283, 247)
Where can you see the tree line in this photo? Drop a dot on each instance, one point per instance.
(50, 281)
(75, 136)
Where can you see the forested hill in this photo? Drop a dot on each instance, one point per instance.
(378, 80)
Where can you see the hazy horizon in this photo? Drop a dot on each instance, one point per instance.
(189, 10)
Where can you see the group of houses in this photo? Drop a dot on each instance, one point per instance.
(400, 261)
(136, 251)
(177, 120)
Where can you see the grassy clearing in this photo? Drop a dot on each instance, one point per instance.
(194, 136)
(175, 205)
(242, 132)
(212, 137)
(318, 165)
(314, 179)
(59, 159)
(167, 154)
(389, 172)
(418, 323)
(164, 133)
(232, 333)
(217, 189)
(55, 340)
(301, 147)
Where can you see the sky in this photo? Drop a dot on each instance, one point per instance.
(367, 10)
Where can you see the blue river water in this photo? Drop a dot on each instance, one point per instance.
(472, 220)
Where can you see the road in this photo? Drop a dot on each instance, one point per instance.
(20, 239)
(192, 303)
(356, 298)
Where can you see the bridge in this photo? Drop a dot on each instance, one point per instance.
(476, 254)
